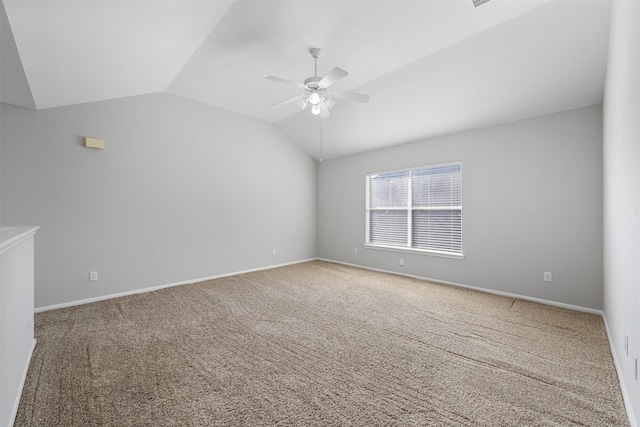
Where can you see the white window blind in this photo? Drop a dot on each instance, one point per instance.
(417, 208)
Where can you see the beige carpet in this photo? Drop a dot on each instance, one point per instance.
(320, 344)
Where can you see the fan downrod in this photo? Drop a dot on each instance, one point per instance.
(312, 82)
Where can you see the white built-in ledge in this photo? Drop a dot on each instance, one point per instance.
(11, 236)
(16, 316)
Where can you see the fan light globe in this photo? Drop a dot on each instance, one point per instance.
(314, 98)
(315, 110)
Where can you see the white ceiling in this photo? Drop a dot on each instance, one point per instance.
(432, 67)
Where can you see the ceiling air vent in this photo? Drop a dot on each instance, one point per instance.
(477, 3)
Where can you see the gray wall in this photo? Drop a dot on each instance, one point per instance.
(622, 194)
(182, 191)
(532, 202)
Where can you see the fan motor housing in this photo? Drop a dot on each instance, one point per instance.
(312, 82)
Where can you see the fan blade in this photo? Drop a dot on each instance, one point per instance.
(351, 96)
(333, 76)
(287, 101)
(287, 82)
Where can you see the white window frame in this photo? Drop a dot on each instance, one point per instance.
(410, 209)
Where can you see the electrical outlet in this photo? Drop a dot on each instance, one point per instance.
(355, 250)
(635, 366)
(547, 276)
(29, 317)
(401, 261)
(274, 251)
(93, 276)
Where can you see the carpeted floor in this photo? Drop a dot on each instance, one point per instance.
(320, 344)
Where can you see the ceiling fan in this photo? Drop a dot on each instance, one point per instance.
(317, 92)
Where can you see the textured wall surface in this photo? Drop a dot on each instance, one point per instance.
(532, 202)
(181, 191)
(622, 194)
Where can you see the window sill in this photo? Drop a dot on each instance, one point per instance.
(415, 251)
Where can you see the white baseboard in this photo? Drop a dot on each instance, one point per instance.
(623, 386)
(155, 288)
(475, 288)
(202, 279)
(14, 412)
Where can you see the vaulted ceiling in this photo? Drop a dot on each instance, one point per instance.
(432, 67)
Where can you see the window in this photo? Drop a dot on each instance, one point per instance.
(416, 209)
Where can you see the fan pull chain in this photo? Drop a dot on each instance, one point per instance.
(320, 140)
